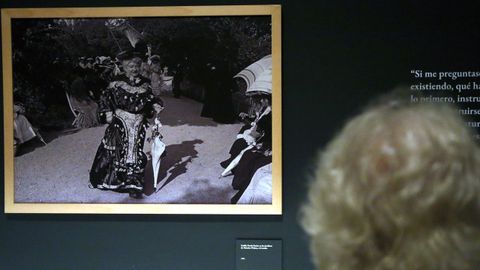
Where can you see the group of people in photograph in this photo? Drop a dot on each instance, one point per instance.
(252, 148)
(120, 73)
(125, 93)
(93, 75)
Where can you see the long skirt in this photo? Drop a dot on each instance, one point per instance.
(250, 162)
(22, 129)
(120, 161)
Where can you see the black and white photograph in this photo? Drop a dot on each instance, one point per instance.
(143, 110)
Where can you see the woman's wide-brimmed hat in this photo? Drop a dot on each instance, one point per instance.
(140, 51)
(128, 54)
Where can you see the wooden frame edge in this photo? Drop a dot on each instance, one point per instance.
(77, 208)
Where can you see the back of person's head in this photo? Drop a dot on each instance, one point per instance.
(398, 188)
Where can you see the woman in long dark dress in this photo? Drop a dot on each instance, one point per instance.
(218, 103)
(126, 104)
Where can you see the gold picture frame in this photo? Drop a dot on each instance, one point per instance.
(92, 207)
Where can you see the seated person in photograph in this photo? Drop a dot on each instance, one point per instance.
(257, 124)
(397, 188)
(253, 147)
(22, 129)
(259, 191)
(81, 102)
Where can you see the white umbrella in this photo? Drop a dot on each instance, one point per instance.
(158, 147)
(235, 161)
(258, 76)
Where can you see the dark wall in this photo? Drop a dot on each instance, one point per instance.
(336, 56)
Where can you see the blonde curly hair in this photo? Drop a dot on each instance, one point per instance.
(398, 188)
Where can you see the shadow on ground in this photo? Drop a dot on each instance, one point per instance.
(176, 160)
(172, 116)
(201, 191)
(47, 136)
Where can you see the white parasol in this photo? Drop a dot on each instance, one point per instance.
(158, 147)
(235, 161)
(258, 76)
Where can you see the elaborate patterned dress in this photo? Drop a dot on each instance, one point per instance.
(120, 161)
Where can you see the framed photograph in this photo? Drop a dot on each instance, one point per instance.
(143, 110)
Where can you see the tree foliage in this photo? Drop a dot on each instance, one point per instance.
(45, 52)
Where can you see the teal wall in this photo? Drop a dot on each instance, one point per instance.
(336, 56)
